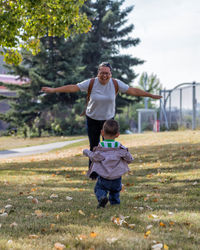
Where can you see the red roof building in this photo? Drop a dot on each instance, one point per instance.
(11, 79)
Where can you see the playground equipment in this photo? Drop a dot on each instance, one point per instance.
(180, 107)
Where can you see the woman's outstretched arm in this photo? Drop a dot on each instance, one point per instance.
(64, 89)
(138, 92)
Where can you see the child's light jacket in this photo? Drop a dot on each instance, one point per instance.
(109, 163)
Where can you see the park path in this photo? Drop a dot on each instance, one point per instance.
(35, 149)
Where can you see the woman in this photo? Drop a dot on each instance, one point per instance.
(101, 104)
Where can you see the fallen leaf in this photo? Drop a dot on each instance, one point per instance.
(165, 247)
(138, 197)
(4, 215)
(52, 226)
(33, 189)
(129, 184)
(149, 227)
(153, 216)
(33, 236)
(68, 198)
(162, 224)
(149, 175)
(111, 240)
(49, 201)
(39, 213)
(8, 206)
(82, 237)
(155, 200)
(35, 200)
(117, 221)
(2, 210)
(123, 188)
(59, 246)
(14, 224)
(81, 212)
(131, 226)
(157, 246)
(93, 235)
(30, 197)
(54, 196)
(147, 234)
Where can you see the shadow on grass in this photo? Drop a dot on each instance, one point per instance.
(164, 190)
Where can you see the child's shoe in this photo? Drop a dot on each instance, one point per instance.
(103, 201)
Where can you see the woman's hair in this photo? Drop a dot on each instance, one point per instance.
(105, 64)
(111, 127)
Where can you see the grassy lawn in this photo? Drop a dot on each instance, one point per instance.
(17, 142)
(46, 202)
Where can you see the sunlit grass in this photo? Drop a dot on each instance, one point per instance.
(17, 142)
(161, 197)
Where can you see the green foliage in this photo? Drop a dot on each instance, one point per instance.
(24, 22)
(65, 61)
(150, 83)
(31, 112)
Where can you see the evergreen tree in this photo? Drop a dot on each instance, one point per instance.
(58, 64)
(108, 35)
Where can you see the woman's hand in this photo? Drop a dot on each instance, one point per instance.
(48, 90)
(156, 96)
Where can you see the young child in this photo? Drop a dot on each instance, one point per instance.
(109, 162)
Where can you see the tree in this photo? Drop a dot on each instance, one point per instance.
(69, 61)
(24, 22)
(58, 63)
(108, 35)
(149, 83)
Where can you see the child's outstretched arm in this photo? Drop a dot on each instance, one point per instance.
(93, 156)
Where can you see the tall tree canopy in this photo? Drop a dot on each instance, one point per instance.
(109, 34)
(24, 22)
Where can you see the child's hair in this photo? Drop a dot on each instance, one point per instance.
(111, 127)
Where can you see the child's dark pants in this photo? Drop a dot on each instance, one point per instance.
(103, 186)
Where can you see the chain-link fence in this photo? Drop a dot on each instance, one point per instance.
(180, 107)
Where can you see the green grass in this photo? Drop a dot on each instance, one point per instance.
(161, 197)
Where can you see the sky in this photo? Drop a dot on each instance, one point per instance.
(169, 31)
